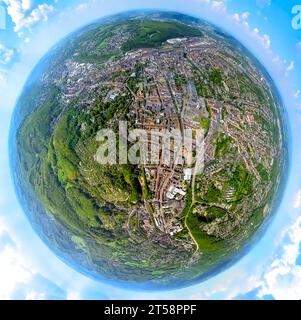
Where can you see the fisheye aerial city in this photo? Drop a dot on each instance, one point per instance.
(153, 223)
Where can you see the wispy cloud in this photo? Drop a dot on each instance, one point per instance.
(6, 54)
(291, 66)
(263, 3)
(218, 5)
(264, 39)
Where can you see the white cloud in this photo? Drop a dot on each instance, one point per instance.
(12, 268)
(240, 17)
(19, 278)
(242, 20)
(291, 66)
(6, 54)
(296, 96)
(264, 39)
(24, 14)
(33, 295)
(218, 5)
(26, 4)
(236, 17)
(245, 15)
(283, 278)
(297, 204)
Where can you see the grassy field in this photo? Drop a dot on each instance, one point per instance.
(206, 243)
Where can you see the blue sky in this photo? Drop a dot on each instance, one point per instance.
(271, 270)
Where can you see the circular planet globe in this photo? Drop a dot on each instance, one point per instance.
(147, 216)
